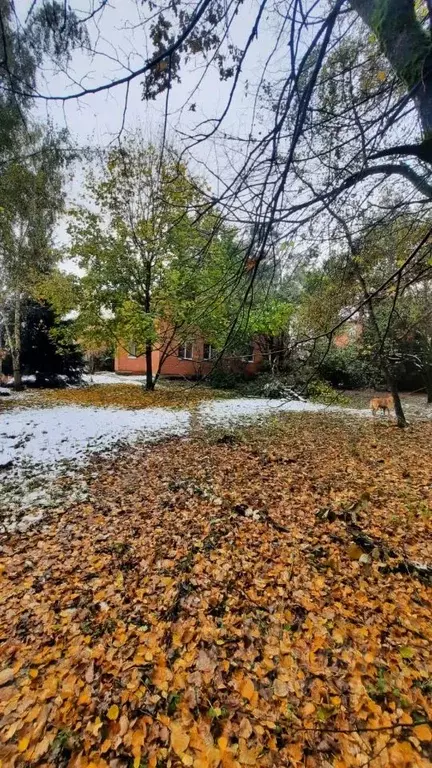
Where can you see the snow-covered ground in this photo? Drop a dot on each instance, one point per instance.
(103, 377)
(37, 445)
(109, 377)
(51, 435)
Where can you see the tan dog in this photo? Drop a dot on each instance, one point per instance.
(381, 404)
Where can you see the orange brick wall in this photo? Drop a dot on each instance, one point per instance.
(175, 366)
(349, 335)
(123, 363)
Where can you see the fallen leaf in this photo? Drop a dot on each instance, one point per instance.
(354, 551)
(113, 712)
(179, 739)
(280, 688)
(308, 709)
(6, 675)
(407, 652)
(245, 730)
(204, 663)
(423, 732)
(23, 744)
(247, 756)
(247, 689)
(89, 675)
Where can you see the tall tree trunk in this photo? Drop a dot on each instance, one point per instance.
(384, 363)
(150, 384)
(16, 350)
(428, 383)
(400, 416)
(407, 45)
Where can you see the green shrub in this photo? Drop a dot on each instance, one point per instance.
(348, 369)
(321, 391)
(221, 378)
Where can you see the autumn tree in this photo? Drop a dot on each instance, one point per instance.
(31, 190)
(371, 280)
(344, 95)
(144, 251)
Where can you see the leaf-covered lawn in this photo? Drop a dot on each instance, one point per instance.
(200, 612)
(126, 396)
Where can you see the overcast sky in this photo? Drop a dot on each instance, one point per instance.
(120, 39)
(96, 119)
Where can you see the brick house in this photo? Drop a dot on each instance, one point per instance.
(350, 333)
(189, 360)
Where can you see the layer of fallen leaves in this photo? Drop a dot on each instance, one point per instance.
(128, 396)
(199, 612)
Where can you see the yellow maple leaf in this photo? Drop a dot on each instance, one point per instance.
(247, 689)
(423, 732)
(23, 744)
(222, 743)
(179, 739)
(113, 712)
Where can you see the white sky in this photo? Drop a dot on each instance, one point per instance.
(96, 119)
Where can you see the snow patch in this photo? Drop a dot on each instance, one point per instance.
(42, 447)
(108, 377)
(50, 435)
(228, 411)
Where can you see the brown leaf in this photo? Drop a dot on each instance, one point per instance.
(6, 675)
(89, 675)
(280, 688)
(245, 730)
(354, 551)
(124, 725)
(204, 663)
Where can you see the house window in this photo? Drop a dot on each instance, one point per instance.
(185, 351)
(249, 356)
(132, 349)
(208, 352)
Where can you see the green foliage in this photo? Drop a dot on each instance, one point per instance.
(347, 368)
(271, 317)
(48, 350)
(319, 390)
(151, 254)
(60, 290)
(222, 377)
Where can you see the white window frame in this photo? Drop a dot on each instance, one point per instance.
(182, 351)
(250, 357)
(210, 352)
(132, 345)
